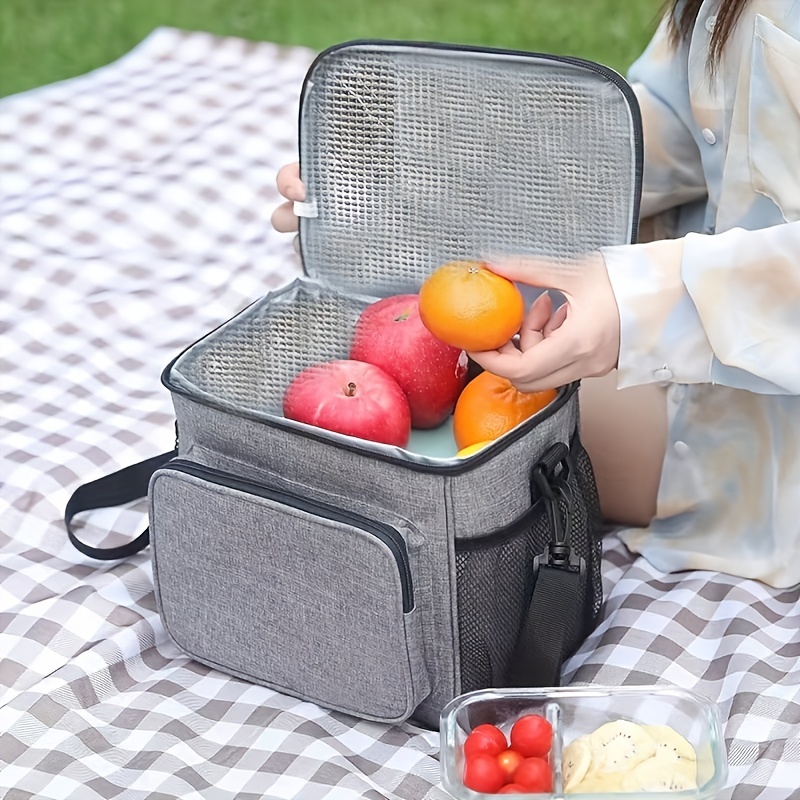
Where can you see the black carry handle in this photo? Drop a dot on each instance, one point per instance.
(555, 622)
(115, 489)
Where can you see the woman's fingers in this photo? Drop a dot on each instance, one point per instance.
(284, 218)
(292, 188)
(535, 320)
(530, 362)
(534, 271)
(532, 365)
(289, 183)
(557, 319)
(554, 380)
(541, 321)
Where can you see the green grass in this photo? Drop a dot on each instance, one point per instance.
(47, 40)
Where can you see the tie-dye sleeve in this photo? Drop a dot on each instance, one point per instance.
(721, 309)
(673, 172)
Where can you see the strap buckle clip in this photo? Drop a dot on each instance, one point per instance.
(552, 483)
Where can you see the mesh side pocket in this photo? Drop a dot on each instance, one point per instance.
(495, 579)
(587, 534)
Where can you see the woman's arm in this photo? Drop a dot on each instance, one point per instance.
(721, 309)
(673, 171)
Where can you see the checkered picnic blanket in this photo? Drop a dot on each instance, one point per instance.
(134, 217)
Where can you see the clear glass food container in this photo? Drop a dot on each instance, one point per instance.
(577, 711)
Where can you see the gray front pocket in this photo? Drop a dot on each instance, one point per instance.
(311, 600)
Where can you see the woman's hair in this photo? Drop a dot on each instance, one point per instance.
(682, 16)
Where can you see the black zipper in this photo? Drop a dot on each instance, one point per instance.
(387, 534)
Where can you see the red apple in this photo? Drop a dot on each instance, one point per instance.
(350, 397)
(390, 335)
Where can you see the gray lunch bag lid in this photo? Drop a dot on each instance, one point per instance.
(417, 154)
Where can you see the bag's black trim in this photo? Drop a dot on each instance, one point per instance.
(600, 69)
(382, 531)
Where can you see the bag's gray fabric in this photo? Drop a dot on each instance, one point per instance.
(413, 156)
(255, 587)
(468, 604)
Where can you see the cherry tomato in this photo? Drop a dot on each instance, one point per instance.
(482, 773)
(514, 788)
(485, 739)
(532, 735)
(534, 774)
(509, 760)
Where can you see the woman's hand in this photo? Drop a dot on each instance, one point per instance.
(578, 340)
(291, 187)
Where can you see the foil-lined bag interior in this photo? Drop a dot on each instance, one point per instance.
(414, 155)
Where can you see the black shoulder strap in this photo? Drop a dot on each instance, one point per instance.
(554, 626)
(556, 619)
(115, 489)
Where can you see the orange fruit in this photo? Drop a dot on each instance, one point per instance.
(472, 449)
(490, 406)
(466, 305)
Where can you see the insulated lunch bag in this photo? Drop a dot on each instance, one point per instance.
(375, 580)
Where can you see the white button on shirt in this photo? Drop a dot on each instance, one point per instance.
(681, 449)
(663, 375)
(710, 23)
(709, 136)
